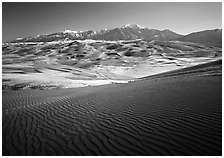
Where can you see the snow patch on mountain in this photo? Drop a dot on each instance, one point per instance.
(134, 26)
(70, 31)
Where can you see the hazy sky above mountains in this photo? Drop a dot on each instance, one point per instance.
(29, 19)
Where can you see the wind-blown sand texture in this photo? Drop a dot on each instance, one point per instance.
(171, 115)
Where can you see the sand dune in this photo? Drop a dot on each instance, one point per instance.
(79, 63)
(172, 115)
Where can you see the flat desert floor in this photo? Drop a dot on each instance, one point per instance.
(178, 114)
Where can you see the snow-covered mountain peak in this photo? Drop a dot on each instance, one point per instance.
(19, 38)
(133, 26)
(70, 31)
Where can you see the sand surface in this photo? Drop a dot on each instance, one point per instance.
(172, 115)
(80, 63)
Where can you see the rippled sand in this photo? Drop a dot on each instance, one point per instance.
(171, 115)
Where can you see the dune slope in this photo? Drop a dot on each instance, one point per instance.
(78, 63)
(172, 115)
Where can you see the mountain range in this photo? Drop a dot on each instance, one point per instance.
(207, 37)
(131, 32)
(85, 58)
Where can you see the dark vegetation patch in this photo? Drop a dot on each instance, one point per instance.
(114, 46)
(80, 56)
(38, 71)
(169, 58)
(42, 87)
(5, 80)
(122, 49)
(143, 50)
(17, 72)
(112, 53)
(98, 59)
(58, 69)
(22, 86)
(63, 51)
(15, 87)
(135, 46)
(136, 53)
(67, 68)
(73, 56)
(50, 47)
(69, 54)
(132, 41)
(4, 47)
(73, 43)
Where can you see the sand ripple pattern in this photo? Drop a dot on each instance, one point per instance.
(175, 116)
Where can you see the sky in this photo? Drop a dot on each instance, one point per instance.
(23, 19)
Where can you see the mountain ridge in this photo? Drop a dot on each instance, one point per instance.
(206, 37)
(130, 32)
(126, 32)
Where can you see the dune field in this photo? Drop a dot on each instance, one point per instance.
(80, 63)
(174, 113)
(84, 79)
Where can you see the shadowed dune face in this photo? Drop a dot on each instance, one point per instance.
(172, 115)
(97, 60)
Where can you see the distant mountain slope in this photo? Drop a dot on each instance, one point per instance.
(207, 37)
(127, 32)
(130, 32)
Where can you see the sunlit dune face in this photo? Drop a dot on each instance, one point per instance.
(73, 63)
